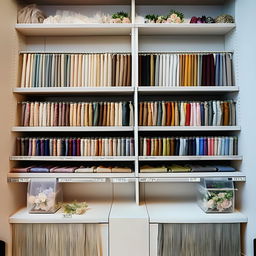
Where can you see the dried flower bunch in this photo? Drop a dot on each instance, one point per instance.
(173, 17)
(220, 19)
(221, 201)
(120, 17)
(75, 207)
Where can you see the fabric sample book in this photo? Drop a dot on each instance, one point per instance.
(187, 113)
(168, 70)
(188, 146)
(116, 146)
(75, 70)
(77, 114)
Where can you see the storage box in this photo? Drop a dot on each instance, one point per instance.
(216, 195)
(43, 196)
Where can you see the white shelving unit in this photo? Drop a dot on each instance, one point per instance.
(137, 38)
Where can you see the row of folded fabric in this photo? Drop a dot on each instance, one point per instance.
(75, 70)
(188, 146)
(77, 114)
(168, 70)
(121, 146)
(190, 113)
(70, 169)
(186, 168)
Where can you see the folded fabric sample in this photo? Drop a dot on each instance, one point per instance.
(103, 169)
(147, 168)
(21, 169)
(203, 168)
(121, 170)
(225, 168)
(41, 169)
(178, 168)
(83, 169)
(64, 169)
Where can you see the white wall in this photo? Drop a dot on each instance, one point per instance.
(246, 45)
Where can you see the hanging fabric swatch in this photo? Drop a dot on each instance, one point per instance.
(187, 113)
(77, 114)
(75, 70)
(116, 146)
(188, 146)
(172, 70)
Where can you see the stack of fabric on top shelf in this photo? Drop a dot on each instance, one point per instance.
(175, 168)
(71, 169)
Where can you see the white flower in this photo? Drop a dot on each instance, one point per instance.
(42, 197)
(221, 195)
(173, 16)
(37, 200)
(226, 204)
(126, 20)
(210, 204)
(220, 207)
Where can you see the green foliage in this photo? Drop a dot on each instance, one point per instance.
(152, 17)
(120, 15)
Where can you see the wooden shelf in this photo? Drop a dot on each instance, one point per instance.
(98, 212)
(189, 128)
(73, 158)
(189, 158)
(73, 129)
(74, 29)
(188, 212)
(156, 90)
(75, 90)
(185, 29)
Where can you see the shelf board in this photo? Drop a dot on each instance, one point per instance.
(188, 212)
(188, 158)
(73, 177)
(179, 2)
(185, 29)
(74, 29)
(189, 177)
(73, 129)
(189, 128)
(98, 212)
(73, 158)
(75, 90)
(77, 2)
(186, 89)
